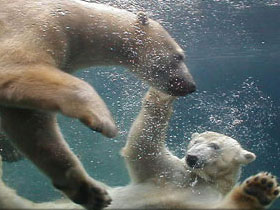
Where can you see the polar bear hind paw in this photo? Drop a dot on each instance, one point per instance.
(85, 194)
(91, 196)
(263, 187)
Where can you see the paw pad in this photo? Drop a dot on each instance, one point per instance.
(263, 187)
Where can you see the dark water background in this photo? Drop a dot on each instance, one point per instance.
(232, 50)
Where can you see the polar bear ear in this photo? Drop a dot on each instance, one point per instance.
(245, 157)
(143, 18)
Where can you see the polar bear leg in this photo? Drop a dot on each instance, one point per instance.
(37, 135)
(145, 152)
(42, 86)
(9, 199)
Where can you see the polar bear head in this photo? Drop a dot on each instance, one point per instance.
(155, 57)
(214, 156)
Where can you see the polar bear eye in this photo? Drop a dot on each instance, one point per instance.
(214, 146)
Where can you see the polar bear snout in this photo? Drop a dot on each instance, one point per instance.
(181, 81)
(193, 161)
(181, 86)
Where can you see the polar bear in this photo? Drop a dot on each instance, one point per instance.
(205, 178)
(41, 43)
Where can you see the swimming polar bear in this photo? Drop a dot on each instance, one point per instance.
(41, 42)
(205, 178)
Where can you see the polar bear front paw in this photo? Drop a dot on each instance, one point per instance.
(263, 187)
(101, 124)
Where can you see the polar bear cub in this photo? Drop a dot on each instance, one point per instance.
(42, 42)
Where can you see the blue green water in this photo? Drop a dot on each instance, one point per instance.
(232, 50)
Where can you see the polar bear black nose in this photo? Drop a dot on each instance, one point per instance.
(191, 160)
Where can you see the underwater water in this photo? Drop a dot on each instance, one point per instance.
(233, 51)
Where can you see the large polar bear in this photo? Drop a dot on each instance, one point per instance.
(205, 178)
(41, 42)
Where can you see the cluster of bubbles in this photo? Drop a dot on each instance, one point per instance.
(250, 3)
(244, 113)
(129, 91)
(196, 18)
